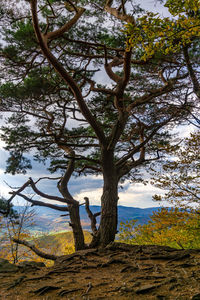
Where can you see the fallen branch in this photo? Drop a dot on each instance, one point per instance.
(35, 250)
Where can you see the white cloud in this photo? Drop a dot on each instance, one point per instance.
(184, 131)
(2, 144)
(139, 195)
(94, 195)
(135, 195)
(4, 191)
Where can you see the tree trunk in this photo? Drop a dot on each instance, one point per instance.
(76, 227)
(109, 218)
(109, 200)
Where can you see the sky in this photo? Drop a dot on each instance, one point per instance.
(132, 194)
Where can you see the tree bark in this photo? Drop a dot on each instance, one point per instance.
(79, 242)
(109, 200)
(109, 218)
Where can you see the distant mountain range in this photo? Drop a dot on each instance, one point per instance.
(49, 220)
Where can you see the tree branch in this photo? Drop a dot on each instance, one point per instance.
(100, 90)
(59, 32)
(116, 13)
(91, 216)
(114, 63)
(139, 147)
(18, 191)
(63, 183)
(151, 95)
(64, 74)
(40, 203)
(38, 192)
(89, 167)
(193, 76)
(36, 250)
(117, 129)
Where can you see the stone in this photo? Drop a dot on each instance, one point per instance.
(31, 265)
(6, 267)
(161, 297)
(196, 297)
(146, 288)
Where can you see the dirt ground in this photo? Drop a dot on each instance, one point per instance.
(118, 272)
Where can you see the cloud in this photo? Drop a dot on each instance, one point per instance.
(154, 6)
(94, 195)
(135, 195)
(139, 195)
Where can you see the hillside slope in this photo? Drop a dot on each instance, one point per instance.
(118, 272)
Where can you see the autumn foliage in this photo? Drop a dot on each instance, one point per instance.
(178, 226)
(167, 227)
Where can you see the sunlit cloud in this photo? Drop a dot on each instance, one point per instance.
(135, 195)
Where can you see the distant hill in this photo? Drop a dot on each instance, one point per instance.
(49, 220)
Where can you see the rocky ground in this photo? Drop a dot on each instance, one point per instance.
(118, 272)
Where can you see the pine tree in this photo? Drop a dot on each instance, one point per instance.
(52, 57)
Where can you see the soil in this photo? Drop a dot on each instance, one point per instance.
(120, 271)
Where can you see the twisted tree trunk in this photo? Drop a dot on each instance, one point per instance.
(109, 199)
(78, 235)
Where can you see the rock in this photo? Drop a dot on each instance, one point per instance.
(146, 288)
(6, 267)
(30, 265)
(196, 297)
(3, 261)
(161, 297)
(126, 289)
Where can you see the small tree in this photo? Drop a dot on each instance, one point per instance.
(51, 71)
(16, 227)
(179, 176)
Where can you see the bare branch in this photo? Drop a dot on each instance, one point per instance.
(49, 178)
(122, 6)
(38, 192)
(91, 216)
(101, 90)
(40, 203)
(36, 250)
(18, 191)
(151, 95)
(91, 168)
(139, 147)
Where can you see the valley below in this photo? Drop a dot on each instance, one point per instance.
(47, 220)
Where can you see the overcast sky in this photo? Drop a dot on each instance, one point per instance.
(136, 195)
